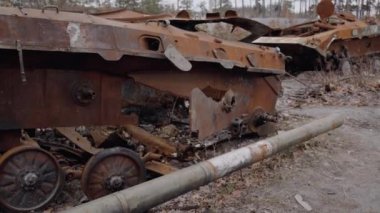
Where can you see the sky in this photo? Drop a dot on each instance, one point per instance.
(239, 3)
(195, 2)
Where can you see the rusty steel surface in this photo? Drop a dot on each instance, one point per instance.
(53, 98)
(325, 42)
(154, 143)
(111, 170)
(129, 16)
(29, 178)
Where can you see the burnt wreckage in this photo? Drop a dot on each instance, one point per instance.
(61, 70)
(336, 41)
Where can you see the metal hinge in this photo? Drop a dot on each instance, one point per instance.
(21, 61)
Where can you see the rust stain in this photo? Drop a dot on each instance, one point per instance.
(260, 151)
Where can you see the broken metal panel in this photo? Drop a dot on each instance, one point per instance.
(177, 58)
(160, 168)
(209, 116)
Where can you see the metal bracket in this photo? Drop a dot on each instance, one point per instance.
(50, 7)
(20, 9)
(78, 139)
(21, 61)
(177, 58)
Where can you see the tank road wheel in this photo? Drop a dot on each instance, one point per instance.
(29, 178)
(112, 170)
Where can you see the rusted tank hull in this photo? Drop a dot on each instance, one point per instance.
(61, 69)
(51, 94)
(75, 68)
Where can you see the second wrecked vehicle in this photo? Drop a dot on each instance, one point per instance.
(337, 41)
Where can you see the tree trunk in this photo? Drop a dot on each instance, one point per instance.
(243, 7)
(264, 9)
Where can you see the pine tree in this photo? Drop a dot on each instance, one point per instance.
(225, 5)
(203, 8)
(130, 4)
(151, 6)
(186, 4)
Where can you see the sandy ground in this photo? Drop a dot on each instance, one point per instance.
(335, 172)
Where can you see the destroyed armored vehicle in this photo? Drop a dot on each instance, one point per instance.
(334, 42)
(60, 70)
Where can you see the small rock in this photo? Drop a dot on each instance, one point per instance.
(169, 130)
(148, 127)
(285, 115)
(331, 193)
(83, 199)
(303, 203)
(330, 87)
(49, 210)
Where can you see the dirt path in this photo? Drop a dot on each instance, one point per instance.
(335, 172)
